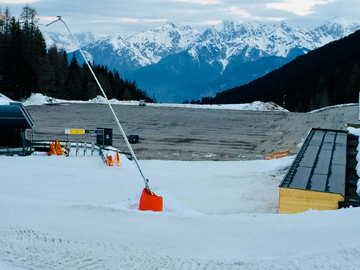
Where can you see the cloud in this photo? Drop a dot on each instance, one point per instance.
(298, 7)
(155, 20)
(212, 22)
(203, 2)
(18, 1)
(127, 20)
(238, 11)
(129, 17)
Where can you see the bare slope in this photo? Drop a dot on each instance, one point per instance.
(192, 134)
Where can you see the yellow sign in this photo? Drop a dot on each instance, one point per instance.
(74, 131)
(83, 131)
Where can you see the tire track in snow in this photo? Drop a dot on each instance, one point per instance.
(35, 250)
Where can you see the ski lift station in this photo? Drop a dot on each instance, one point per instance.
(323, 174)
(14, 120)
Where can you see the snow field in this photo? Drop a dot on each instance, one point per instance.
(76, 213)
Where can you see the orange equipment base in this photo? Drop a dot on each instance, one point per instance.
(150, 201)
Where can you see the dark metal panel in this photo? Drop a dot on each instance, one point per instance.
(329, 139)
(339, 155)
(327, 146)
(318, 182)
(300, 179)
(336, 180)
(309, 156)
(341, 138)
(323, 162)
(317, 138)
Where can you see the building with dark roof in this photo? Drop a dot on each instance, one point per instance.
(319, 177)
(14, 120)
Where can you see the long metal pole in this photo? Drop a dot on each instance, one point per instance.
(108, 102)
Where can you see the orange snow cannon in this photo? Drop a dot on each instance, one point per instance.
(149, 201)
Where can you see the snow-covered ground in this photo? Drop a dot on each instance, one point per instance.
(39, 99)
(74, 212)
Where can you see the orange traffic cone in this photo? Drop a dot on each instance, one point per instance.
(58, 148)
(109, 161)
(52, 150)
(117, 160)
(150, 201)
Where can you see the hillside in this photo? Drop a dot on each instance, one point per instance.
(326, 76)
(177, 78)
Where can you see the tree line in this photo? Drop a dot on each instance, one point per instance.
(26, 66)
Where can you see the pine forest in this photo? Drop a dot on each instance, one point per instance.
(27, 66)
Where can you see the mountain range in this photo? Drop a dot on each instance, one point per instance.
(176, 63)
(329, 75)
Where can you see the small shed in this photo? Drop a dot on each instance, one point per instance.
(317, 177)
(14, 120)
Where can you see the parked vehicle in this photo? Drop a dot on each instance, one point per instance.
(133, 138)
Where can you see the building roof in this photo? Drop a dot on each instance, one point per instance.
(15, 115)
(320, 164)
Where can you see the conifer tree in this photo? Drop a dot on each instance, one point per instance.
(73, 89)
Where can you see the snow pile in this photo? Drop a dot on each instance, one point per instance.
(356, 131)
(102, 100)
(261, 106)
(4, 100)
(98, 100)
(40, 99)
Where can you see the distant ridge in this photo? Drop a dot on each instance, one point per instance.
(329, 75)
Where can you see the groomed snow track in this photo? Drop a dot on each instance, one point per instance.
(36, 250)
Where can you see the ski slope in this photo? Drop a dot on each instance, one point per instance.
(76, 213)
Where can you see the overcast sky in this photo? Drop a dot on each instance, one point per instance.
(129, 17)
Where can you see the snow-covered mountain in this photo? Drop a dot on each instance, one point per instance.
(146, 48)
(65, 42)
(251, 41)
(173, 62)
